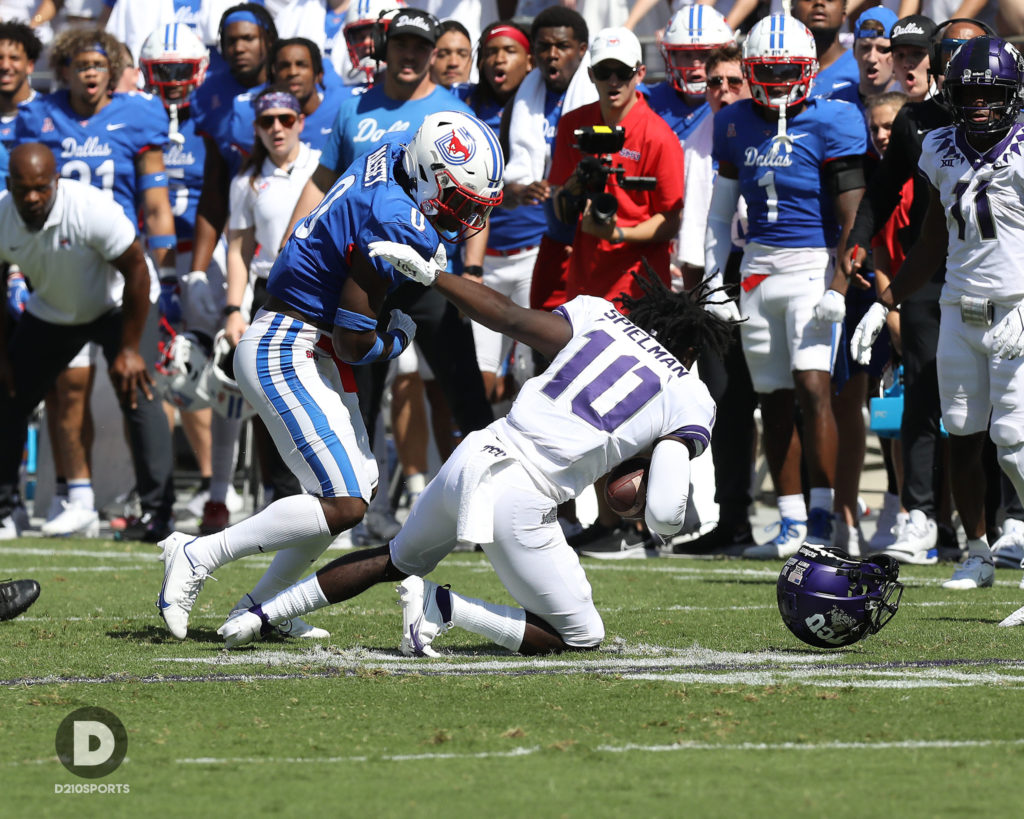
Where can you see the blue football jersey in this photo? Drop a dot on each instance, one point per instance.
(315, 131)
(184, 165)
(671, 106)
(101, 150)
(365, 205)
(367, 120)
(836, 81)
(212, 104)
(787, 205)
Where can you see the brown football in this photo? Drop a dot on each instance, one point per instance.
(626, 488)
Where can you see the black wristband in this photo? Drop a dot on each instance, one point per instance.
(473, 270)
(229, 309)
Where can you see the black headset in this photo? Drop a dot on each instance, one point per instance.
(379, 34)
(935, 45)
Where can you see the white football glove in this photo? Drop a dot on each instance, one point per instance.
(408, 262)
(725, 310)
(867, 331)
(403, 327)
(1008, 335)
(200, 301)
(831, 308)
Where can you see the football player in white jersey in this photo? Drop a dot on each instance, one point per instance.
(975, 219)
(616, 387)
(326, 292)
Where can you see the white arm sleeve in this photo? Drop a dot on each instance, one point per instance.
(668, 487)
(719, 236)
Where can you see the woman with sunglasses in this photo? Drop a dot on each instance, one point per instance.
(262, 198)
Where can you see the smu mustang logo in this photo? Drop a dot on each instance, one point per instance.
(457, 148)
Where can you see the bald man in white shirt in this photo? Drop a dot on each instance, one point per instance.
(90, 282)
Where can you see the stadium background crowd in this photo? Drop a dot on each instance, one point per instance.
(264, 105)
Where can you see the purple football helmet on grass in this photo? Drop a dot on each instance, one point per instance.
(828, 599)
(982, 88)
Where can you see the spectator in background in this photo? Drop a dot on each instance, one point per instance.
(556, 86)
(911, 40)
(126, 161)
(91, 283)
(513, 237)
(726, 375)
(872, 49)
(605, 253)
(453, 59)
(692, 34)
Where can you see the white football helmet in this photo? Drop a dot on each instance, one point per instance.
(174, 62)
(192, 379)
(456, 164)
(780, 61)
(360, 19)
(692, 33)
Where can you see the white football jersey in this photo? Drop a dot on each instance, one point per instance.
(983, 196)
(610, 393)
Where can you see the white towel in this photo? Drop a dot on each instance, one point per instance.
(529, 155)
(475, 522)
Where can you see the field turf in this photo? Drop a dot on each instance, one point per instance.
(700, 703)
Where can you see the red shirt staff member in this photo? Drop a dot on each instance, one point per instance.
(605, 254)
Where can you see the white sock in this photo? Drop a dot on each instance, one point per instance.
(504, 625)
(296, 521)
(223, 453)
(415, 484)
(793, 507)
(80, 493)
(978, 546)
(822, 497)
(303, 597)
(286, 568)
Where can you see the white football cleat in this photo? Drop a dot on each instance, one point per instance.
(422, 617)
(1015, 619)
(298, 628)
(73, 520)
(242, 627)
(183, 580)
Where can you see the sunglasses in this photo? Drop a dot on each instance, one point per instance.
(604, 72)
(718, 82)
(266, 121)
(85, 68)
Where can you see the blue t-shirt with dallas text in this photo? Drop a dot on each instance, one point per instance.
(787, 204)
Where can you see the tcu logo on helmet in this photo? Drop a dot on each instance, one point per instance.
(456, 147)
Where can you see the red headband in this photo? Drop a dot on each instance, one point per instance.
(509, 31)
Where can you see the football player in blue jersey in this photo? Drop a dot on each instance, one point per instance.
(114, 142)
(837, 69)
(327, 288)
(19, 50)
(798, 163)
(692, 34)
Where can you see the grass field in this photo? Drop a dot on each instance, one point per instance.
(700, 703)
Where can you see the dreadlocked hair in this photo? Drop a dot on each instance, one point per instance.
(677, 320)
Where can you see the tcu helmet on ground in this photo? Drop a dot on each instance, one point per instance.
(192, 379)
(693, 31)
(988, 70)
(780, 61)
(173, 57)
(829, 599)
(456, 164)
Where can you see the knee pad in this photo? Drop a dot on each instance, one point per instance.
(1011, 460)
(1006, 435)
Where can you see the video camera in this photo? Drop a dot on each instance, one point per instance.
(601, 142)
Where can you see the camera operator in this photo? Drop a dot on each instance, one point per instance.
(608, 247)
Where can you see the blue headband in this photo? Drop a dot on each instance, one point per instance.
(97, 47)
(276, 99)
(243, 17)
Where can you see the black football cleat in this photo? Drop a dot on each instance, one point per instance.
(16, 596)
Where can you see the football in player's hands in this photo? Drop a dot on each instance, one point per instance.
(626, 488)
